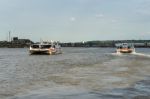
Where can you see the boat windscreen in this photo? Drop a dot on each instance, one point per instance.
(35, 46)
(45, 46)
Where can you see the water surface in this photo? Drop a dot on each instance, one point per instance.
(78, 73)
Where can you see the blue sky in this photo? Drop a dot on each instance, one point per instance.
(75, 20)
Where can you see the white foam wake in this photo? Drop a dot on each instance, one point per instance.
(117, 54)
(141, 54)
(134, 53)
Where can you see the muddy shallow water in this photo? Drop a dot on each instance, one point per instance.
(78, 73)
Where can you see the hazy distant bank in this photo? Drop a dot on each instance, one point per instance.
(23, 43)
(108, 43)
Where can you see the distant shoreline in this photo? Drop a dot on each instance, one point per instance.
(25, 43)
(108, 43)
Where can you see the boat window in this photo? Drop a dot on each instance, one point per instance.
(45, 46)
(35, 46)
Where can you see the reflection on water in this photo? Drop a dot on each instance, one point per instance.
(78, 73)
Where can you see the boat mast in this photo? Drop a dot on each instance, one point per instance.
(9, 36)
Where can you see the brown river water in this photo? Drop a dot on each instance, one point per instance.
(78, 73)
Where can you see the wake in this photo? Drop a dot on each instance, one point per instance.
(141, 54)
(134, 53)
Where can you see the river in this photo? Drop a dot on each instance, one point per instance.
(77, 73)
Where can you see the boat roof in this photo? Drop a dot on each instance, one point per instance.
(45, 43)
(124, 44)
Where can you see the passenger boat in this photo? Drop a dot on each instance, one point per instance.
(125, 48)
(45, 48)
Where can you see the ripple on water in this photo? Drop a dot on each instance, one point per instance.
(77, 74)
(70, 92)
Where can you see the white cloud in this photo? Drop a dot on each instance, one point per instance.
(72, 19)
(113, 21)
(143, 7)
(99, 15)
(143, 12)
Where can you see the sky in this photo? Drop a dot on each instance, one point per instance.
(75, 20)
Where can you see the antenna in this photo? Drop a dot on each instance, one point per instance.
(6, 37)
(9, 36)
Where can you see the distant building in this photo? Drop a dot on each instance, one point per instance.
(21, 41)
(15, 38)
(16, 43)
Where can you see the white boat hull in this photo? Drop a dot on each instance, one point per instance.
(45, 49)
